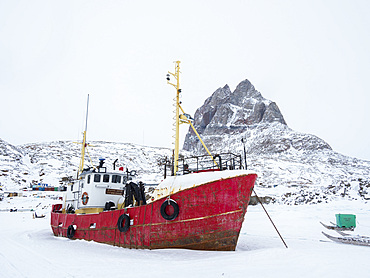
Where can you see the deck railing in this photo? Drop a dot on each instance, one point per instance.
(204, 163)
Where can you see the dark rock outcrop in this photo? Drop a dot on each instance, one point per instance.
(246, 113)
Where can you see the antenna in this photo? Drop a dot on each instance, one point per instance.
(87, 111)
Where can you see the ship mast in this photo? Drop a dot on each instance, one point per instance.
(181, 119)
(176, 75)
(84, 145)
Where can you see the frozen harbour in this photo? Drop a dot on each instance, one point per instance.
(29, 249)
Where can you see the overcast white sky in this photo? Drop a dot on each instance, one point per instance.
(311, 57)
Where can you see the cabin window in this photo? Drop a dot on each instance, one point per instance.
(97, 178)
(88, 178)
(116, 179)
(106, 178)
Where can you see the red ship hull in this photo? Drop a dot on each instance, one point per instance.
(210, 218)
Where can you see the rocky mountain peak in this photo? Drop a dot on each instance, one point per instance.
(245, 112)
(219, 96)
(245, 106)
(245, 90)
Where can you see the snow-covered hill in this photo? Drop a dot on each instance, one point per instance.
(13, 166)
(51, 161)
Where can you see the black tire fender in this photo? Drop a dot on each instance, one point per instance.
(123, 219)
(175, 208)
(70, 231)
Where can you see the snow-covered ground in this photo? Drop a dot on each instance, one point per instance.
(29, 249)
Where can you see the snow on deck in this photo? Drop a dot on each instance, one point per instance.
(174, 184)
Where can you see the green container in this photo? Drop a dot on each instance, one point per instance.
(346, 220)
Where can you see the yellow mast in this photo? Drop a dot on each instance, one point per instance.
(84, 145)
(180, 119)
(177, 116)
(82, 159)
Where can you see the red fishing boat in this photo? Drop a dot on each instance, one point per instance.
(194, 207)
